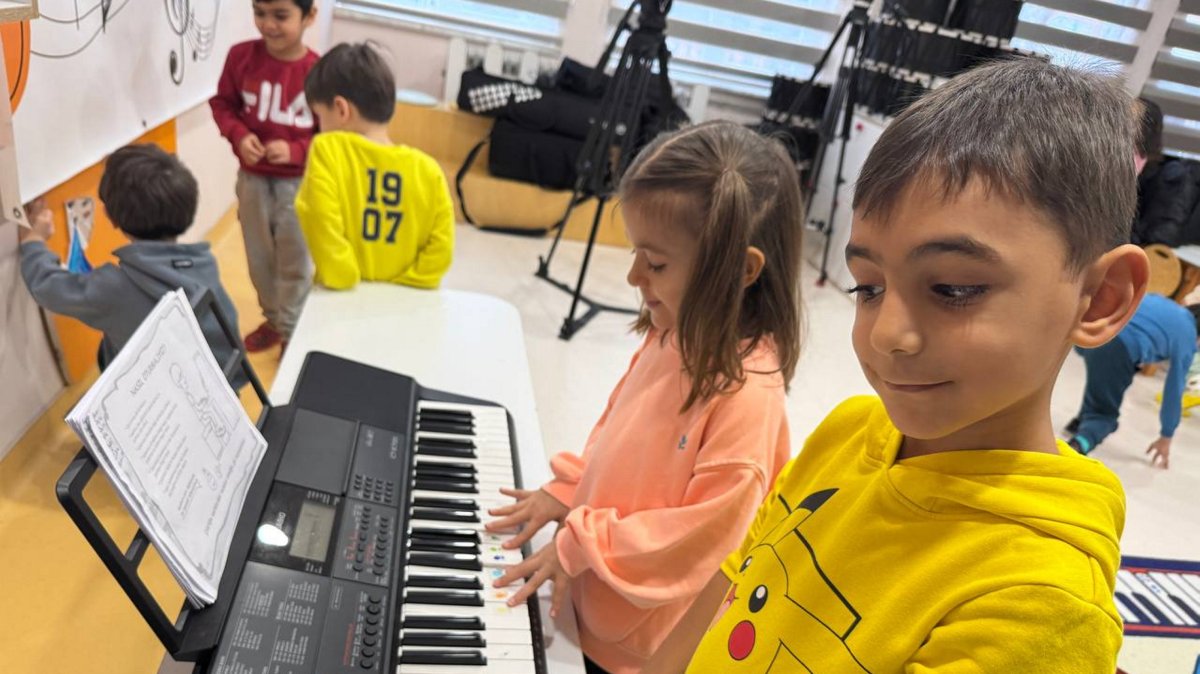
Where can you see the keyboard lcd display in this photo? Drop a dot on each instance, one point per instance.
(314, 527)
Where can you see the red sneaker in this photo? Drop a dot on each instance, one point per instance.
(263, 338)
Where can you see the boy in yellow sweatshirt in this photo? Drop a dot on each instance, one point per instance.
(370, 210)
(942, 527)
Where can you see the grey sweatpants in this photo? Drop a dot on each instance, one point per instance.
(280, 266)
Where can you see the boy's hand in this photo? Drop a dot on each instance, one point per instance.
(1160, 452)
(41, 222)
(279, 152)
(540, 567)
(251, 149)
(534, 508)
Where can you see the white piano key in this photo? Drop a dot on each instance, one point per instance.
(1151, 591)
(1190, 593)
(497, 667)
(1128, 590)
(497, 636)
(492, 614)
(493, 652)
(478, 411)
(1174, 585)
(484, 468)
(486, 577)
(1166, 589)
(490, 439)
(1162, 600)
(438, 524)
(484, 501)
(1193, 580)
(494, 555)
(1126, 615)
(498, 462)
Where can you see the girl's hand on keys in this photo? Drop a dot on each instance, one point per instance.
(540, 567)
(534, 509)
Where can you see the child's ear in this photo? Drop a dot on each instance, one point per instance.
(341, 108)
(311, 16)
(755, 261)
(1113, 288)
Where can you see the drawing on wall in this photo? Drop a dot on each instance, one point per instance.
(81, 215)
(130, 65)
(196, 28)
(16, 59)
(193, 22)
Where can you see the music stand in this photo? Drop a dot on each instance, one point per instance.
(196, 631)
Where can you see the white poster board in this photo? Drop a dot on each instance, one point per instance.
(27, 367)
(103, 72)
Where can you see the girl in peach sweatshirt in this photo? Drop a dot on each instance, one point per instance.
(696, 430)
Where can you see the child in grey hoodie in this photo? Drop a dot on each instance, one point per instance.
(151, 197)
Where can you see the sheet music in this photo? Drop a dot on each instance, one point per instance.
(174, 440)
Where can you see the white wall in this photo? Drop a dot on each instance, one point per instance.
(420, 55)
(418, 58)
(210, 158)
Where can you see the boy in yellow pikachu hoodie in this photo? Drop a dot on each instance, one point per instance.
(942, 527)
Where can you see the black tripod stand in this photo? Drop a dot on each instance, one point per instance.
(840, 107)
(611, 141)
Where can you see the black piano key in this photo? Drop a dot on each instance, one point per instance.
(449, 427)
(437, 473)
(1153, 610)
(449, 581)
(444, 597)
(411, 657)
(445, 485)
(456, 534)
(448, 452)
(453, 443)
(1185, 608)
(446, 503)
(444, 639)
(448, 415)
(442, 545)
(1142, 616)
(464, 467)
(446, 560)
(444, 515)
(443, 622)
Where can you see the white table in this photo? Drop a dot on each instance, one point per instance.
(453, 341)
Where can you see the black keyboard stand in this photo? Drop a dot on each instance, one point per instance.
(196, 631)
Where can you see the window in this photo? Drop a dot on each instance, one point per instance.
(535, 22)
(739, 45)
(1083, 31)
(1175, 81)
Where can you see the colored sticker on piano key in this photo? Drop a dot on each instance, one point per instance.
(502, 594)
(494, 554)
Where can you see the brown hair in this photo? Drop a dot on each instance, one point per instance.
(1059, 140)
(732, 189)
(1150, 131)
(357, 73)
(148, 193)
